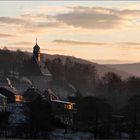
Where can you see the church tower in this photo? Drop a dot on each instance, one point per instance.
(36, 52)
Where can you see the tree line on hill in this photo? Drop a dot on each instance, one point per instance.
(85, 78)
(12, 60)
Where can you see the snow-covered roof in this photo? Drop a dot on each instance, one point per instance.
(63, 102)
(12, 90)
(1, 95)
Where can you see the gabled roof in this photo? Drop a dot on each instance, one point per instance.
(34, 68)
(1, 95)
(44, 70)
(62, 102)
(9, 93)
(11, 89)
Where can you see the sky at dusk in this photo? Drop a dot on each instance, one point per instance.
(105, 31)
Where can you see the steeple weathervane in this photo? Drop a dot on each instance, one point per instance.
(36, 40)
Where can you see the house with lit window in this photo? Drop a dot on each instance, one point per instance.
(11, 94)
(61, 109)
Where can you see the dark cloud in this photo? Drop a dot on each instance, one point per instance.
(73, 42)
(21, 43)
(28, 24)
(120, 44)
(129, 12)
(11, 20)
(48, 24)
(129, 44)
(2, 35)
(96, 17)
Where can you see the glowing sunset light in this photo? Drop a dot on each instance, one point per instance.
(89, 30)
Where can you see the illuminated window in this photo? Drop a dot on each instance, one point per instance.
(68, 106)
(18, 98)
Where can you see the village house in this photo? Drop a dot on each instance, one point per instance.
(63, 110)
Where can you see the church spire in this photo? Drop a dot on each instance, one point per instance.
(36, 52)
(36, 40)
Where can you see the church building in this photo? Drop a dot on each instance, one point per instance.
(36, 70)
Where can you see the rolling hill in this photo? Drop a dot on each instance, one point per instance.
(133, 69)
(101, 69)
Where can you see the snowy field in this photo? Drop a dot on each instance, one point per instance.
(59, 134)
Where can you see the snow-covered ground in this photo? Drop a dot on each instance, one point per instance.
(16, 114)
(59, 134)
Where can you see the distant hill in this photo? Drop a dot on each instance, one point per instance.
(101, 69)
(14, 60)
(133, 69)
(111, 61)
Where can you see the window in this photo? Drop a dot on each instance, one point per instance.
(18, 98)
(69, 106)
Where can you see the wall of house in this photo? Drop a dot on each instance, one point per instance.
(60, 111)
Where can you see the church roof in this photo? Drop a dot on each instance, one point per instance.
(44, 70)
(34, 68)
